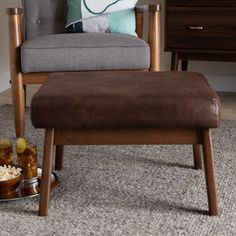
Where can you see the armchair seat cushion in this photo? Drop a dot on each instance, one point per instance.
(84, 51)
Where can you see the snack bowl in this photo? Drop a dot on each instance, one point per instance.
(9, 187)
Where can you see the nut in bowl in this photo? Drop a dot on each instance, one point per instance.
(10, 179)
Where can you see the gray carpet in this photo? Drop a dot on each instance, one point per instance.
(128, 190)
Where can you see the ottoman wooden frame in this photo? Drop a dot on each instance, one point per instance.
(201, 137)
(126, 108)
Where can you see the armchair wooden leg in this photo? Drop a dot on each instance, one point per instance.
(59, 157)
(210, 173)
(174, 61)
(46, 175)
(18, 99)
(197, 156)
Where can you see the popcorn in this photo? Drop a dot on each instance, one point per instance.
(9, 172)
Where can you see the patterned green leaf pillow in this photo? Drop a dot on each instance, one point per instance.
(101, 16)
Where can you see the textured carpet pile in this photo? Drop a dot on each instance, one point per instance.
(128, 190)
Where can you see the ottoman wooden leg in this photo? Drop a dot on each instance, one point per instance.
(197, 156)
(210, 173)
(59, 157)
(46, 175)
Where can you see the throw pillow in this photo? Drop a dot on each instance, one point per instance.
(117, 16)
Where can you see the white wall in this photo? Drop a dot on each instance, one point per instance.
(221, 75)
(4, 53)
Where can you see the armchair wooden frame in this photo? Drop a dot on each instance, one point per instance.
(20, 80)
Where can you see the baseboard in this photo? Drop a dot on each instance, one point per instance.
(4, 81)
(222, 82)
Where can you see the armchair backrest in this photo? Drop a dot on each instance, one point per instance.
(43, 17)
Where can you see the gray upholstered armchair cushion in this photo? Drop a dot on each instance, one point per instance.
(91, 51)
(47, 49)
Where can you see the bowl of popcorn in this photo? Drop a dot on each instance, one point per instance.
(10, 179)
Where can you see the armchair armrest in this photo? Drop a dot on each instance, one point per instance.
(154, 31)
(140, 10)
(14, 11)
(143, 8)
(155, 36)
(155, 8)
(16, 38)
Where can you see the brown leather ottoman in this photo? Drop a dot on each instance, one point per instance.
(126, 108)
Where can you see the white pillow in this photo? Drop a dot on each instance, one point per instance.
(92, 8)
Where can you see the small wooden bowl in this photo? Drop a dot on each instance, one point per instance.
(9, 187)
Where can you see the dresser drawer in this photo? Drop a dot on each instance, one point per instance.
(201, 28)
(222, 3)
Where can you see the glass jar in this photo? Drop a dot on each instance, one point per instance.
(27, 160)
(6, 152)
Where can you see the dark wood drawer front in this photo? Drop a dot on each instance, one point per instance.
(201, 28)
(212, 3)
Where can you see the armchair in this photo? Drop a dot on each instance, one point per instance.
(36, 39)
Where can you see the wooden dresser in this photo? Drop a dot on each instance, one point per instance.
(200, 30)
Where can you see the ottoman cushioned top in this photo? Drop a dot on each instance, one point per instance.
(113, 100)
